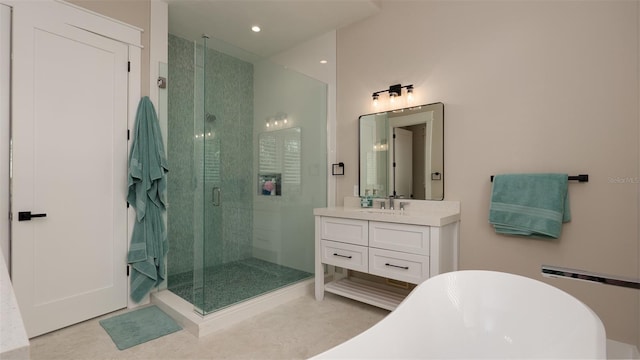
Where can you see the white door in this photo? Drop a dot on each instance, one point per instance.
(69, 130)
(403, 159)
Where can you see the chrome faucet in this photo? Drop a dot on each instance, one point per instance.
(390, 202)
(403, 204)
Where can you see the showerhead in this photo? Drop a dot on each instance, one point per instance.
(210, 117)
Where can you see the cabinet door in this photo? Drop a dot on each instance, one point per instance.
(345, 230)
(348, 256)
(397, 265)
(412, 239)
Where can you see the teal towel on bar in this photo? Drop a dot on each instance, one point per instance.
(147, 194)
(531, 205)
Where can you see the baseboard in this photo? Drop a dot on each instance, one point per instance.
(182, 311)
(620, 350)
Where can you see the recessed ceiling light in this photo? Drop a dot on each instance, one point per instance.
(255, 28)
(323, 61)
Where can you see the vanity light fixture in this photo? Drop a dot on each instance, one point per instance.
(394, 91)
(410, 94)
(380, 146)
(278, 120)
(282, 118)
(392, 98)
(375, 99)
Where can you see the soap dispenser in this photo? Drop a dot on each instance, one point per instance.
(364, 201)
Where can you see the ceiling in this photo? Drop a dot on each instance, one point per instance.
(284, 24)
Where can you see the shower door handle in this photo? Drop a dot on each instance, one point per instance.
(216, 196)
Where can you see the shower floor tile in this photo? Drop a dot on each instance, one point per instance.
(227, 284)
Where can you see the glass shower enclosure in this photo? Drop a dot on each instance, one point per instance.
(247, 151)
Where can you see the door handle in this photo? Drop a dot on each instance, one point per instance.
(27, 215)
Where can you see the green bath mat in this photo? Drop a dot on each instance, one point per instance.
(139, 326)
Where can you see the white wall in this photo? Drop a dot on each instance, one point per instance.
(528, 86)
(159, 53)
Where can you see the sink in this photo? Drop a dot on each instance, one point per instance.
(383, 211)
(416, 212)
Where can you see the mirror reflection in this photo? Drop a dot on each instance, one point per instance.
(402, 153)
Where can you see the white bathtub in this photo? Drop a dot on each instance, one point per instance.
(481, 314)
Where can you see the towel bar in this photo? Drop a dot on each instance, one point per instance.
(579, 178)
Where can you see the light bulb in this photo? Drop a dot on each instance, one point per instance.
(392, 98)
(410, 95)
(285, 120)
(375, 100)
(275, 123)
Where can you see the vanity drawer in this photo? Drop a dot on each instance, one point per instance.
(348, 256)
(351, 231)
(397, 265)
(412, 239)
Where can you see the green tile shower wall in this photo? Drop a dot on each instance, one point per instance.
(229, 97)
(229, 89)
(180, 151)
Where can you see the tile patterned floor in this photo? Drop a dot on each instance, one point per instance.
(298, 329)
(227, 284)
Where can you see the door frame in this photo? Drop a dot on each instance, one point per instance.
(101, 25)
(5, 136)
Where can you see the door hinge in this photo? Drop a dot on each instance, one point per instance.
(10, 216)
(394, 164)
(128, 66)
(127, 270)
(128, 134)
(127, 204)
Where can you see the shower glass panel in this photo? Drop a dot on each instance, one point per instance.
(247, 148)
(200, 172)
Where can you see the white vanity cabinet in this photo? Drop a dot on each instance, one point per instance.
(403, 246)
(399, 251)
(344, 243)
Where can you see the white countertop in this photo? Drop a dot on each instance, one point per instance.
(417, 212)
(14, 342)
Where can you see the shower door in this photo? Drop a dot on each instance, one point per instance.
(208, 194)
(223, 123)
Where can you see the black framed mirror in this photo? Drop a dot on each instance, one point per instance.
(401, 153)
